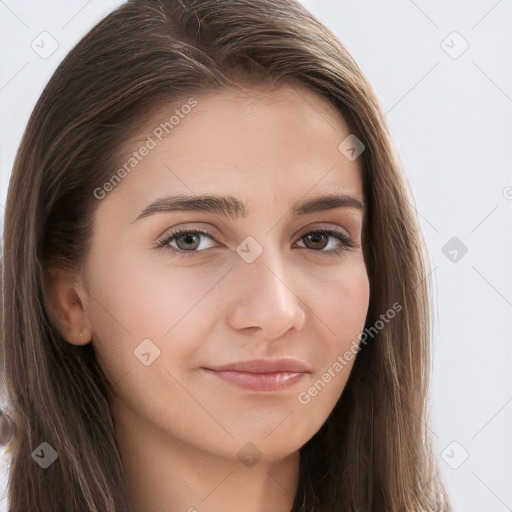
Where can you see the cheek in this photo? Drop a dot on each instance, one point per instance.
(341, 302)
(338, 307)
(136, 300)
(341, 306)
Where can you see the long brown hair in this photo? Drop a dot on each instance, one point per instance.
(374, 452)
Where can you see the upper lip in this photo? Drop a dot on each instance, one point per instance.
(287, 364)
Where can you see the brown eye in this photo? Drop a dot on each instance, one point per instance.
(318, 240)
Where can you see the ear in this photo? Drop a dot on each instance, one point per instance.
(66, 300)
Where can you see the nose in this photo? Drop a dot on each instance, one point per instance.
(265, 297)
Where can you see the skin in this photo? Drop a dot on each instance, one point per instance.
(179, 429)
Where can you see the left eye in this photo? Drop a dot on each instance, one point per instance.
(317, 238)
(191, 240)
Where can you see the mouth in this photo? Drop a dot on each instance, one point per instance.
(275, 381)
(262, 374)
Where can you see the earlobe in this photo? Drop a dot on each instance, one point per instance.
(66, 309)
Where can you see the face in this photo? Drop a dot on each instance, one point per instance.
(259, 281)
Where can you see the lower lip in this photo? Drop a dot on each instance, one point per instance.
(260, 381)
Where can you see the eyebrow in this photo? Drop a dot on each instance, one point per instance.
(230, 206)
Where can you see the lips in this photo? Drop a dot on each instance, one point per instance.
(262, 374)
(287, 364)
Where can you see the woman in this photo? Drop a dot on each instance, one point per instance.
(265, 370)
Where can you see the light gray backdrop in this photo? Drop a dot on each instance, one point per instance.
(443, 72)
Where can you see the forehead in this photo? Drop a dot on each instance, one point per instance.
(281, 142)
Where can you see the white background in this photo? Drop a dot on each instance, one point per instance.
(451, 119)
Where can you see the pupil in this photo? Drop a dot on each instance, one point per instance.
(315, 239)
(189, 239)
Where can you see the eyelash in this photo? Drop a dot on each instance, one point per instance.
(347, 243)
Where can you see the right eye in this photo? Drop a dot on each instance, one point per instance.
(183, 237)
